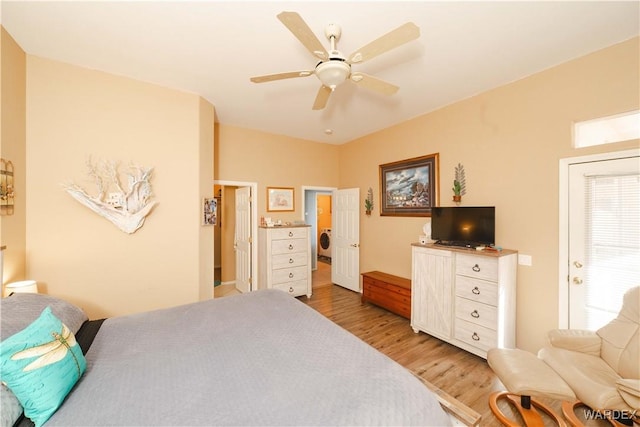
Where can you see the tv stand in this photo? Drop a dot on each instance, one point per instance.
(464, 297)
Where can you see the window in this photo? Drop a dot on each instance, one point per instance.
(605, 130)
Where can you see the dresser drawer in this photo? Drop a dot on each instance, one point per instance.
(481, 267)
(292, 274)
(288, 233)
(296, 288)
(476, 312)
(477, 290)
(289, 246)
(475, 335)
(295, 259)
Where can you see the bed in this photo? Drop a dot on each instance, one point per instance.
(261, 358)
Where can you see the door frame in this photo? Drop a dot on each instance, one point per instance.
(322, 190)
(563, 224)
(254, 224)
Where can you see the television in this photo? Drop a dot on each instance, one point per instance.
(467, 226)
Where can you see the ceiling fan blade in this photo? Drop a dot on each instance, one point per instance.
(373, 83)
(385, 43)
(280, 76)
(301, 30)
(322, 98)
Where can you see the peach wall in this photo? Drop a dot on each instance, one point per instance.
(12, 147)
(275, 161)
(204, 176)
(75, 113)
(510, 141)
(324, 212)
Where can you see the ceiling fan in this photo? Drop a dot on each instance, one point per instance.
(334, 68)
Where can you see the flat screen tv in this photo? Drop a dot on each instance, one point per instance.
(463, 226)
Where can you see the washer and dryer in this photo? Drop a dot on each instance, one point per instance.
(324, 243)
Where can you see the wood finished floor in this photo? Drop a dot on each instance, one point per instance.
(463, 375)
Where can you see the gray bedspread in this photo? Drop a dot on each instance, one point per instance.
(261, 358)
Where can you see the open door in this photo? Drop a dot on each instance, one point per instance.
(345, 260)
(242, 240)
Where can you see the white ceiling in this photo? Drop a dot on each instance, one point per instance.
(212, 48)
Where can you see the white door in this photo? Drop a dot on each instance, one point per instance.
(242, 239)
(345, 239)
(604, 238)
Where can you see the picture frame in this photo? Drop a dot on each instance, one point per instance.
(280, 199)
(209, 211)
(409, 187)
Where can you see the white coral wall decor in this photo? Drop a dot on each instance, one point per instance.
(126, 207)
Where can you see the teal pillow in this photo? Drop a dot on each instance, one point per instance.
(40, 365)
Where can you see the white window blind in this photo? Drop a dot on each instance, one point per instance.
(612, 244)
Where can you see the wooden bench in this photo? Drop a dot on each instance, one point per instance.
(387, 291)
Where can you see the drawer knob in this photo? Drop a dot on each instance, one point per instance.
(475, 290)
(475, 337)
(475, 314)
(291, 234)
(476, 268)
(290, 290)
(290, 275)
(290, 260)
(290, 247)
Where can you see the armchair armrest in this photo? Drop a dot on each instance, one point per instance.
(629, 389)
(579, 340)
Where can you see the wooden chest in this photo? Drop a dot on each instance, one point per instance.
(387, 291)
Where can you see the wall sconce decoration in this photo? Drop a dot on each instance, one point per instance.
(7, 195)
(368, 202)
(459, 184)
(126, 208)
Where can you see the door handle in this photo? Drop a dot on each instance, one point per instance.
(577, 280)
(355, 245)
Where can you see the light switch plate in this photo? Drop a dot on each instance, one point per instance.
(525, 259)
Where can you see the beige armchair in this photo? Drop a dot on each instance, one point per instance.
(599, 369)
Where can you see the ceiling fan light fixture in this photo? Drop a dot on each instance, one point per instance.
(332, 73)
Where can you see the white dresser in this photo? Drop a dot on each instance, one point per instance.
(465, 297)
(284, 259)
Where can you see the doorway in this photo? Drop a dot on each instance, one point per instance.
(316, 210)
(600, 236)
(227, 281)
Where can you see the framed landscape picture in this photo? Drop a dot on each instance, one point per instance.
(409, 187)
(280, 199)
